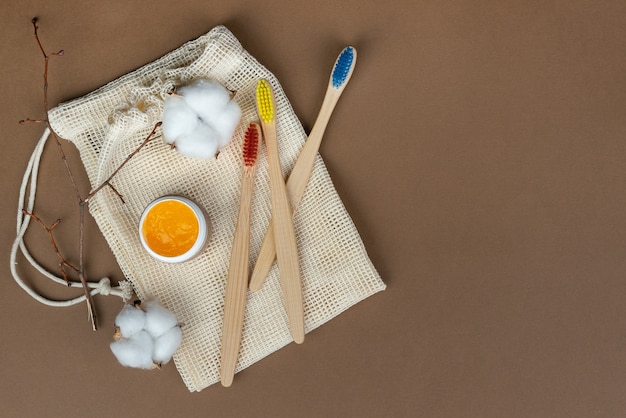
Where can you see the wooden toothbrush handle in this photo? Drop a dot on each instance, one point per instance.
(265, 259)
(285, 240)
(302, 169)
(236, 286)
(296, 185)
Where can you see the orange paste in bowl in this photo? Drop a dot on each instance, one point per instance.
(170, 228)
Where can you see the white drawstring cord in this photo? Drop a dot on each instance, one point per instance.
(103, 287)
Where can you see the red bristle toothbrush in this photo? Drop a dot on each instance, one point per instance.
(284, 233)
(299, 177)
(237, 281)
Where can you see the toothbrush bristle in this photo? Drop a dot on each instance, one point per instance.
(251, 145)
(265, 101)
(343, 66)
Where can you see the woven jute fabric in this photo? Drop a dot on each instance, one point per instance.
(108, 124)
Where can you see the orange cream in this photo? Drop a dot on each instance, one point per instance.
(173, 229)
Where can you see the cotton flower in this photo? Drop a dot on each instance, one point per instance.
(200, 118)
(147, 336)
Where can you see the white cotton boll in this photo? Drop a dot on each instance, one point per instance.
(226, 122)
(201, 143)
(130, 320)
(135, 351)
(200, 119)
(205, 97)
(158, 319)
(178, 118)
(166, 345)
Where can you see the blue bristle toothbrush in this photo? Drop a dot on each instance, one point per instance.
(299, 177)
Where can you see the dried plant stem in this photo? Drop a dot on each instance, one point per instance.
(63, 263)
(82, 202)
(151, 136)
(29, 120)
(46, 60)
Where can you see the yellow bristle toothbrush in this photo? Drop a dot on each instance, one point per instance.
(237, 281)
(282, 215)
(299, 177)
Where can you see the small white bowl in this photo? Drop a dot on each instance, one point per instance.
(201, 239)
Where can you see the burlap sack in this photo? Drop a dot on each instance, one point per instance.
(109, 123)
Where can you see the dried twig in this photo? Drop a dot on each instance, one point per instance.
(29, 120)
(81, 270)
(46, 59)
(151, 136)
(63, 263)
(82, 202)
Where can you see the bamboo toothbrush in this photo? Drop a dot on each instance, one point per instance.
(237, 281)
(299, 177)
(284, 234)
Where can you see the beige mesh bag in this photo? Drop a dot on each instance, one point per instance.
(109, 123)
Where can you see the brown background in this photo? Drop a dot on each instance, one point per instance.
(480, 149)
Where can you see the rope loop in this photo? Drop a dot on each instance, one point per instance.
(27, 201)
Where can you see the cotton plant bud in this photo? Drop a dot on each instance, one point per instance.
(200, 119)
(147, 335)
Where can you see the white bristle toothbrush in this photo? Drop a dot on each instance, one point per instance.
(299, 177)
(237, 281)
(282, 215)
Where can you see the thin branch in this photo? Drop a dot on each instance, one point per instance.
(91, 312)
(151, 136)
(70, 174)
(63, 263)
(29, 120)
(112, 187)
(46, 58)
(34, 22)
(81, 203)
